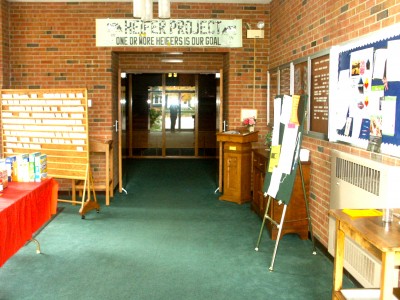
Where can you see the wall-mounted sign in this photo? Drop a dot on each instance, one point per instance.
(162, 33)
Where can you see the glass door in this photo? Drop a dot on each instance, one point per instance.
(170, 114)
(180, 116)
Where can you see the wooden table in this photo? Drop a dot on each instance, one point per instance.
(372, 235)
(24, 208)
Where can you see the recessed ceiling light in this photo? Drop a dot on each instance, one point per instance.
(172, 60)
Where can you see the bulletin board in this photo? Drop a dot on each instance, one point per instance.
(364, 101)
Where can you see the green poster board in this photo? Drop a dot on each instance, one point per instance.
(287, 180)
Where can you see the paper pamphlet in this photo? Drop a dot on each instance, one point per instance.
(295, 105)
(277, 114)
(289, 143)
(274, 157)
(393, 61)
(286, 109)
(356, 213)
(275, 183)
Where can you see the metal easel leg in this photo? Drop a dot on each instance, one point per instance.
(263, 223)
(280, 226)
(37, 245)
(307, 209)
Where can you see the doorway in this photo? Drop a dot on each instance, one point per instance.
(169, 115)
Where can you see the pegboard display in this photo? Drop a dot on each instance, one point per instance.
(50, 121)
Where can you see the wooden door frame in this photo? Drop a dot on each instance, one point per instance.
(221, 123)
(120, 186)
(120, 183)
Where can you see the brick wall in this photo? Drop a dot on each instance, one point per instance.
(300, 28)
(52, 45)
(4, 38)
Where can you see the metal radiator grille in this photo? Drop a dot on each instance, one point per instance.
(361, 176)
(361, 263)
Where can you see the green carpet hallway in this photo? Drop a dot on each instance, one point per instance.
(169, 237)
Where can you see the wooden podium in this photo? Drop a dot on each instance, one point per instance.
(236, 165)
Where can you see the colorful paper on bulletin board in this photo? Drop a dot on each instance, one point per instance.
(388, 108)
(357, 213)
(372, 80)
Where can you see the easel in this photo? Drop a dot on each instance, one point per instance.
(89, 204)
(88, 186)
(280, 224)
(287, 187)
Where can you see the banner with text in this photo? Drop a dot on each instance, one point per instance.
(161, 33)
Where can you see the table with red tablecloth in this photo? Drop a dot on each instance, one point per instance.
(24, 208)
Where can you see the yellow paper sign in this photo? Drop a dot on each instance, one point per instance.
(274, 157)
(355, 213)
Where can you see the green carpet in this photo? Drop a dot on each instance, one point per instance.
(169, 237)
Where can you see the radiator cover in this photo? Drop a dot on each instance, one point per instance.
(359, 183)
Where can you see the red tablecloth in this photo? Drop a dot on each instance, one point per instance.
(24, 208)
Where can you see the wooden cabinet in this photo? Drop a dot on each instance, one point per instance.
(237, 166)
(296, 214)
(260, 164)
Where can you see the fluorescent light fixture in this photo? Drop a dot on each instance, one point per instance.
(148, 15)
(172, 60)
(143, 9)
(164, 9)
(138, 8)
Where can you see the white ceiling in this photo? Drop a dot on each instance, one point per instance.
(181, 1)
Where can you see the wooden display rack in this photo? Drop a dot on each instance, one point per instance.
(53, 122)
